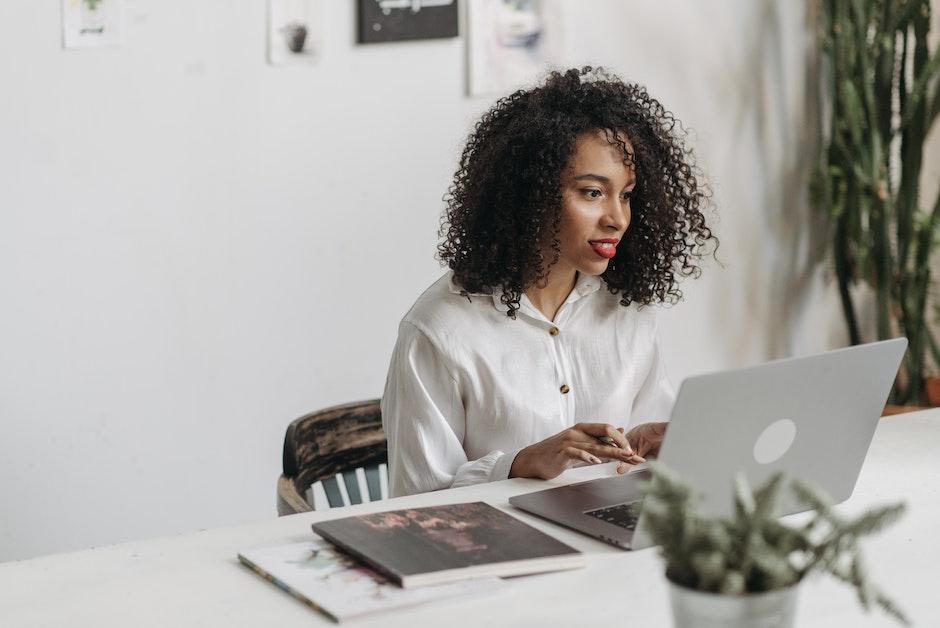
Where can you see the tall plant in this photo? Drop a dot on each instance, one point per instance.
(880, 84)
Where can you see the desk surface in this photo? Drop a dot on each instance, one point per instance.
(196, 580)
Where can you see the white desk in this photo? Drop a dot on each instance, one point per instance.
(196, 580)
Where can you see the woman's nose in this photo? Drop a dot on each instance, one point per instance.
(618, 214)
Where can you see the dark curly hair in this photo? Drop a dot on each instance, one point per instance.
(504, 205)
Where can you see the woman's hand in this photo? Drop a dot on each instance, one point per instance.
(548, 458)
(646, 439)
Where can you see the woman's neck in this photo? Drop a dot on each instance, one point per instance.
(549, 297)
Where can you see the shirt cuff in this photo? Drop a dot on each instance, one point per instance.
(501, 469)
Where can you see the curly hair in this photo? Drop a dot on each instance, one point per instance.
(504, 205)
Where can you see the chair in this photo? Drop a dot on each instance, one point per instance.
(334, 457)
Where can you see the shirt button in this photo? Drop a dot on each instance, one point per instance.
(553, 331)
(564, 389)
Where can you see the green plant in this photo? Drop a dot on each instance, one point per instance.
(753, 551)
(880, 84)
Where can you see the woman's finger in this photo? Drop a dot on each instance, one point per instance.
(605, 433)
(581, 454)
(614, 436)
(596, 430)
(648, 437)
(610, 442)
(614, 453)
(652, 447)
(625, 467)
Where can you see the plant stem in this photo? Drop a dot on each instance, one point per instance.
(844, 278)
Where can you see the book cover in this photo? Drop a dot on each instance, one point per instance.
(330, 581)
(436, 544)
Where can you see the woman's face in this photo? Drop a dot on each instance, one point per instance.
(595, 211)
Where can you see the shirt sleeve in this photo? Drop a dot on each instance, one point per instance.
(424, 422)
(656, 396)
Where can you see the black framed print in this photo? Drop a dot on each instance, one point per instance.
(403, 20)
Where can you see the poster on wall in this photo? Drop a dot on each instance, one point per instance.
(91, 23)
(294, 32)
(402, 20)
(510, 43)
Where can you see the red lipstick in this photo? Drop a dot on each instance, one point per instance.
(606, 247)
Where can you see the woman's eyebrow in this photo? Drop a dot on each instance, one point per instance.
(600, 179)
(593, 177)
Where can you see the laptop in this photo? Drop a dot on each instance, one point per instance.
(811, 417)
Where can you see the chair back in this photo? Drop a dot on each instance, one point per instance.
(334, 457)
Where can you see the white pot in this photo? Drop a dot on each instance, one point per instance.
(697, 609)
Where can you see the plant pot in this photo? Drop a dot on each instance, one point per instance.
(697, 609)
(932, 390)
(892, 409)
(295, 35)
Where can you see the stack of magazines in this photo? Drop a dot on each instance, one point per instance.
(401, 558)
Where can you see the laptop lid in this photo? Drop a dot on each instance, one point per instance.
(811, 417)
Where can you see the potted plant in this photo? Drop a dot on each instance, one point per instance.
(932, 370)
(932, 388)
(744, 570)
(880, 98)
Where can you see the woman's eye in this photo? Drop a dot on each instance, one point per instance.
(627, 196)
(592, 192)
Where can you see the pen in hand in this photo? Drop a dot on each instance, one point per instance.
(607, 440)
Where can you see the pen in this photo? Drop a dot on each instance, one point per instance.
(607, 440)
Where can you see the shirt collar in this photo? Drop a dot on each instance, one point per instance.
(584, 285)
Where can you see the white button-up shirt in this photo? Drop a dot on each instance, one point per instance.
(468, 387)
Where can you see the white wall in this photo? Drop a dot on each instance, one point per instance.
(196, 248)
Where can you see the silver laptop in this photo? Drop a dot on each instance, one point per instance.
(811, 417)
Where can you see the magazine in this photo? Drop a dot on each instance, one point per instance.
(330, 581)
(437, 544)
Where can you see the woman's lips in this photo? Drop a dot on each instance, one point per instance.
(605, 248)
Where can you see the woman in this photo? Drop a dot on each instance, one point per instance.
(575, 204)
